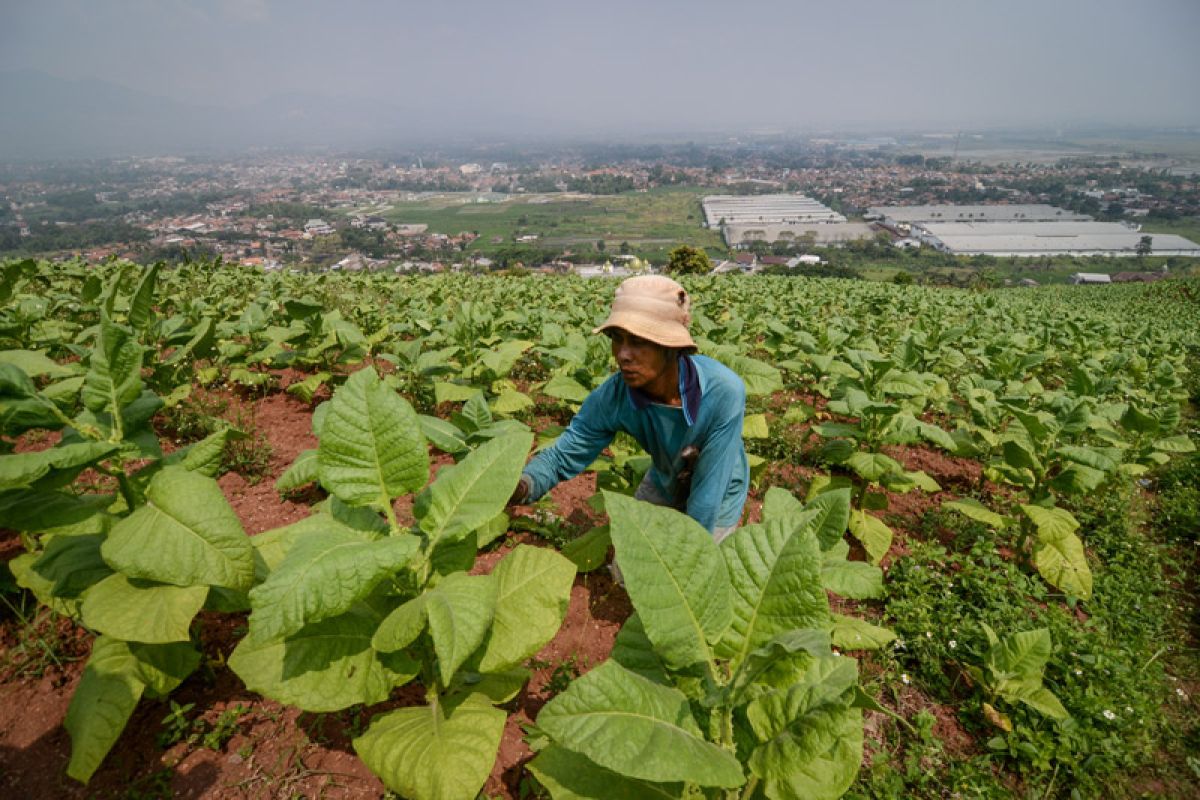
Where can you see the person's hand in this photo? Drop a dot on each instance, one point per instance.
(520, 493)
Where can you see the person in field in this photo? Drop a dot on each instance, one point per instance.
(685, 409)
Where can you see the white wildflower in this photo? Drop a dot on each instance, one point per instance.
(1181, 693)
(1078, 672)
(904, 677)
(928, 635)
(1108, 715)
(953, 644)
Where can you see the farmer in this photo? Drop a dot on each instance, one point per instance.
(685, 409)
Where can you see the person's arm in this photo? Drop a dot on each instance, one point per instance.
(719, 455)
(590, 431)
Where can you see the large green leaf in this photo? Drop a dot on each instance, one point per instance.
(852, 633)
(162, 667)
(186, 534)
(775, 572)
(302, 472)
(114, 377)
(326, 666)
(570, 776)
(101, 705)
(34, 363)
(634, 651)
(874, 534)
(811, 736)
(459, 611)
(371, 447)
(970, 507)
(638, 728)
(873, 466)
(1020, 658)
(434, 753)
(855, 580)
(1051, 521)
(72, 563)
(323, 575)
(779, 502)
(468, 494)
(1061, 561)
(832, 509)
(142, 611)
(21, 470)
(141, 305)
(533, 588)
(675, 576)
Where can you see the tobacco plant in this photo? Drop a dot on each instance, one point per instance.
(349, 604)
(724, 682)
(135, 567)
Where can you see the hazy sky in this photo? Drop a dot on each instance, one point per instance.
(653, 65)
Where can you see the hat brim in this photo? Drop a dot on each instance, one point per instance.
(667, 334)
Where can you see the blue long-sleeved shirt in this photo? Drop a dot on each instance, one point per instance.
(713, 407)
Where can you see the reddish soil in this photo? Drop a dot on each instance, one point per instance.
(279, 751)
(274, 751)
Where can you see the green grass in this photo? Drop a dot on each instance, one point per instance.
(649, 221)
(1188, 227)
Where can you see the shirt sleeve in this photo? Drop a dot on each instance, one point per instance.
(719, 453)
(590, 431)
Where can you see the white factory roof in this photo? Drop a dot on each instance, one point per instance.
(766, 209)
(1031, 212)
(1031, 239)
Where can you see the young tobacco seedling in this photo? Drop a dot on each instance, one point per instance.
(1012, 671)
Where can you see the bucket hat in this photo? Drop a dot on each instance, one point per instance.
(653, 307)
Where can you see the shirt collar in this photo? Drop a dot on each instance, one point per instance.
(689, 391)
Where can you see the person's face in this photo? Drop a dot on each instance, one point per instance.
(641, 361)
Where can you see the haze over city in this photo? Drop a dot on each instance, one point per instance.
(79, 77)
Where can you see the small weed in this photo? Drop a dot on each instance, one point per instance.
(178, 728)
(150, 787)
(42, 641)
(563, 674)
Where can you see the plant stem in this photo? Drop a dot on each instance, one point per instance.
(748, 789)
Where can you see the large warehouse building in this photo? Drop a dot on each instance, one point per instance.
(1048, 239)
(765, 209)
(1034, 212)
(779, 218)
(1023, 230)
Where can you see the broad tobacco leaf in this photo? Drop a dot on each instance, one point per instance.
(434, 752)
(775, 571)
(142, 611)
(187, 535)
(114, 377)
(571, 776)
(628, 724)
(533, 588)
(323, 575)
(326, 666)
(372, 449)
(811, 736)
(468, 494)
(675, 576)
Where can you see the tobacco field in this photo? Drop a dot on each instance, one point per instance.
(256, 543)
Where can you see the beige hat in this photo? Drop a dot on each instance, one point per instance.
(653, 307)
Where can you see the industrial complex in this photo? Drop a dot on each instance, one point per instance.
(1022, 230)
(779, 218)
(1034, 229)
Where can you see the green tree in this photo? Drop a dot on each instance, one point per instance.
(1145, 246)
(687, 260)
